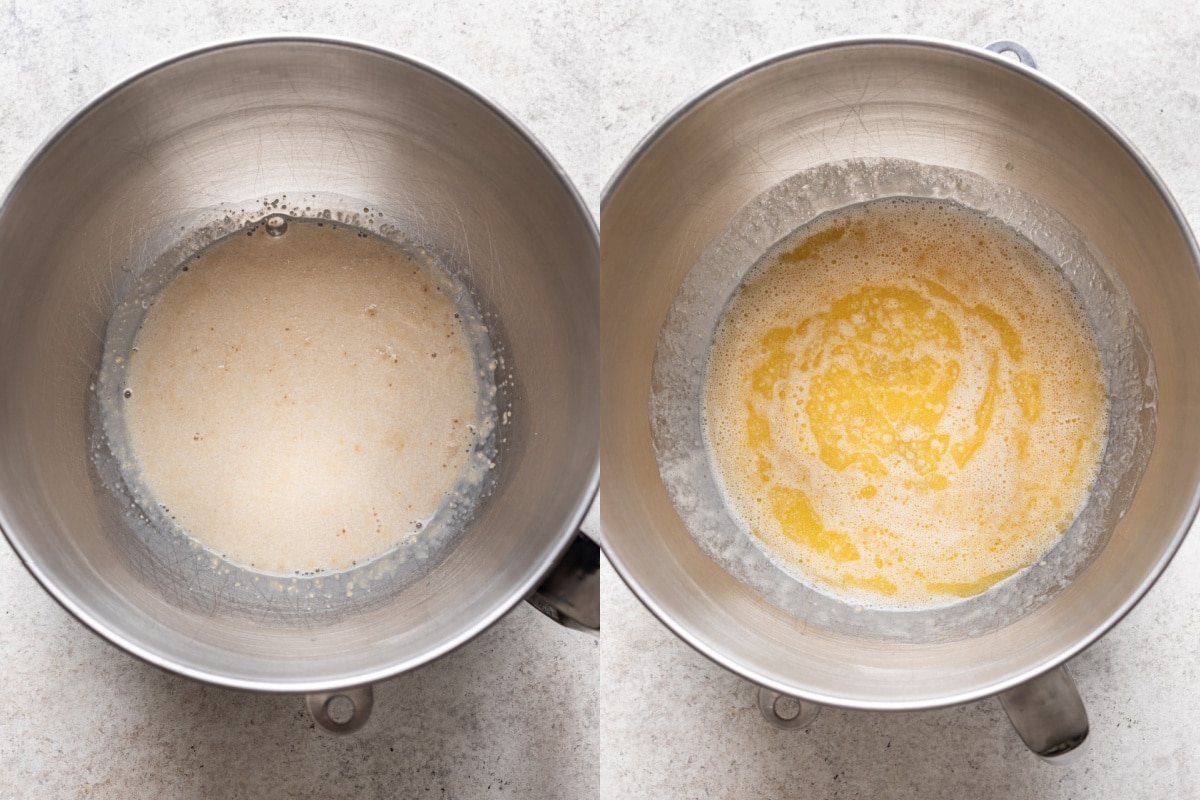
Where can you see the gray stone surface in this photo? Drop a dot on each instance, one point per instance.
(527, 710)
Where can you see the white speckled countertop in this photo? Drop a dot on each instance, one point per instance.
(529, 710)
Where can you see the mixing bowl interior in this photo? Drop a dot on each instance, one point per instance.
(195, 148)
(934, 104)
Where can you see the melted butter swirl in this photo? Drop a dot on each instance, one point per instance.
(905, 402)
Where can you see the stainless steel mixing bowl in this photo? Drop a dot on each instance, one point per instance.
(939, 104)
(224, 135)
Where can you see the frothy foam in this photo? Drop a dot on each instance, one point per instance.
(305, 402)
(905, 403)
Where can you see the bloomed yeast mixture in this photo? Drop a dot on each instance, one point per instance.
(303, 402)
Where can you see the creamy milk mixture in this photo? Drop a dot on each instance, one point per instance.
(303, 402)
(904, 403)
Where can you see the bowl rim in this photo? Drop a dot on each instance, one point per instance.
(627, 571)
(571, 526)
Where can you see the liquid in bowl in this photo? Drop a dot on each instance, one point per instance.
(904, 403)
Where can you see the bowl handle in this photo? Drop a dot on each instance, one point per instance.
(771, 703)
(570, 592)
(342, 711)
(1049, 716)
(1016, 48)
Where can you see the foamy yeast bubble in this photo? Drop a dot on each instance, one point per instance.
(905, 403)
(306, 402)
